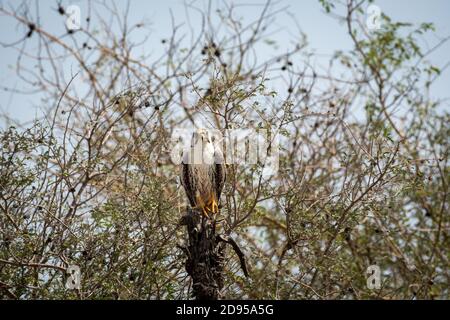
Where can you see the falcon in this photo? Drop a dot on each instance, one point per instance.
(203, 173)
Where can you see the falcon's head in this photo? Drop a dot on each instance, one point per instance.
(201, 136)
(202, 146)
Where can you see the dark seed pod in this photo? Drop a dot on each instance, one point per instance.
(31, 28)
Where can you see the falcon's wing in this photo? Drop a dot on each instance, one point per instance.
(188, 182)
(219, 172)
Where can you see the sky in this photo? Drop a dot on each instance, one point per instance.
(325, 34)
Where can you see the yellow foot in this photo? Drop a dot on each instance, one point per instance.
(214, 207)
(210, 206)
(201, 206)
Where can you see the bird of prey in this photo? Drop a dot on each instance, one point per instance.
(203, 173)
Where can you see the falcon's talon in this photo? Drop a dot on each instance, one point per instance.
(214, 207)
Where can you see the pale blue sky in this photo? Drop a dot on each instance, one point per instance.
(324, 33)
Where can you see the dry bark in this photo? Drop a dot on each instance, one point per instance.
(205, 255)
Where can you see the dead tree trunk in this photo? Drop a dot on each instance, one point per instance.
(205, 255)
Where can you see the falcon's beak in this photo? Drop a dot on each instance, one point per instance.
(203, 135)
